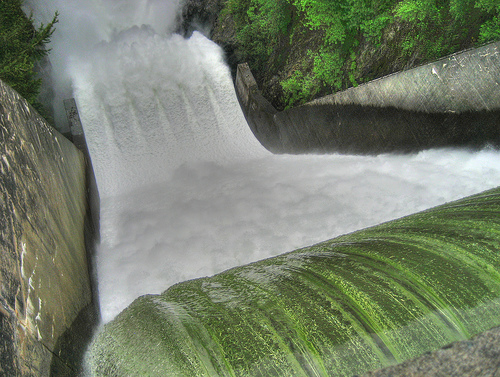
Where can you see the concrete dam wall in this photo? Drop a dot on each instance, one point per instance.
(452, 102)
(44, 271)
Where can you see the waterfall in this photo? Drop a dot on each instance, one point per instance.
(156, 103)
(187, 191)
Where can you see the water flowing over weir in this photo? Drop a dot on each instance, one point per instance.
(158, 103)
(187, 191)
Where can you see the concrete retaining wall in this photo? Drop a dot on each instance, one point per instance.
(466, 81)
(452, 102)
(44, 273)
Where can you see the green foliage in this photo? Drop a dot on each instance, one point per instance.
(298, 87)
(372, 28)
(328, 68)
(416, 11)
(21, 47)
(259, 25)
(352, 70)
(490, 30)
(326, 71)
(333, 64)
(368, 17)
(447, 12)
(324, 15)
(428, 29)
(460, 9)
(488, 5)
(442, 27)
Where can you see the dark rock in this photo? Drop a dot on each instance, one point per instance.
(198, 15)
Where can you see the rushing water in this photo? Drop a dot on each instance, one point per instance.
(186, 190)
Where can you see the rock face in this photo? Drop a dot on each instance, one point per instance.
(198, 13)
(452, 102)
(43, 271)
(356, 303)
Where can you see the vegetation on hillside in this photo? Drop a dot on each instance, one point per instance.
(315, 47)
(22, 46)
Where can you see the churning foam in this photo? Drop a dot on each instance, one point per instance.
(149, 100)
(85, 23)
(187, 191)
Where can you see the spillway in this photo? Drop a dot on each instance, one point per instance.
(186, 189)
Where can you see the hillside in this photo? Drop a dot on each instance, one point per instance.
(299, 50)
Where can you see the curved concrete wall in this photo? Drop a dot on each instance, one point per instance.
(452, 102)
(361, 301)
(44, 274)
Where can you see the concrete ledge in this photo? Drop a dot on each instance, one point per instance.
(258, 111)
(79, 140)
(462, 82)
(452, 102)
(355, 129)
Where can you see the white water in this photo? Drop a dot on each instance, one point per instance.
(187, 191)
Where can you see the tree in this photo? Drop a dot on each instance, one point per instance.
(21, 47)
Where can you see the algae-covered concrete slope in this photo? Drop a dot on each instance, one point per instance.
(356, 303)
(43, 264)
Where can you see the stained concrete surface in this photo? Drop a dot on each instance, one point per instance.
(44, 273)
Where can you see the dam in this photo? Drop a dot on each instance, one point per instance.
(186, 189)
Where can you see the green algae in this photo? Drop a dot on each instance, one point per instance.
(358, 302)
